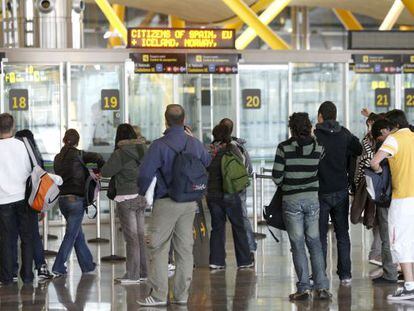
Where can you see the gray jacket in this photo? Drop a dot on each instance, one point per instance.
(124, 164)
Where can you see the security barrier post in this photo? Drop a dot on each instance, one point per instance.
(257, 235)
(112, 257)
(46, 236)
(98, 238)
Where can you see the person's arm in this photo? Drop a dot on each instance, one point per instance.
(113, 166)
(388, 150)
(278, 171)
(354, 146)
(93, 157)
(151, 163)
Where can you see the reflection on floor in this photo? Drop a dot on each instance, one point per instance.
(265, 288)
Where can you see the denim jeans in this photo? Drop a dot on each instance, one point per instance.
(132, 218)
(38, 252)
(16, 217)
(72, 208)
(247, 224)
(229, 206)
(301, 216)
(336, 205)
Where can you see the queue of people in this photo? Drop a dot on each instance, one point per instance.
(312, 168)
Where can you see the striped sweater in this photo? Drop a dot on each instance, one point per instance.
(296, 166)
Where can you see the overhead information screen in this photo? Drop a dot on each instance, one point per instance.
(408, 61)
(377, 63)
(181, 38)
(159, 62)
(212, 63)
(380, 40)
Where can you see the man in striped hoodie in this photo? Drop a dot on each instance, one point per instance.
(296, 171)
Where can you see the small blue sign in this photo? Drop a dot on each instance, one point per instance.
(159, 68)
(377, 68)
(211, 68)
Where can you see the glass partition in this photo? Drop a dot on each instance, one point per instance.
(408, 103)
(95, 115)
(40, 110)
(148, 96)
(362, 94)
(314, 83)
(264, 128)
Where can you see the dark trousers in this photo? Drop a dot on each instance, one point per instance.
(16, 217)
(336, 205)
(229, 206)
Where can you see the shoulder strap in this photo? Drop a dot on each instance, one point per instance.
(29, 149)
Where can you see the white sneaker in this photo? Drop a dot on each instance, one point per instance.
(124, 280)
(151, 302)
(171, 267)
(346, 282)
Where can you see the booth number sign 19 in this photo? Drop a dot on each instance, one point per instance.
(110, 99)
(251, 98)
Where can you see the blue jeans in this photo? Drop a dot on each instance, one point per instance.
(229, 206)
(336, 205)
(247, 224)
(72, 208)
(301, 216)
(16, 219)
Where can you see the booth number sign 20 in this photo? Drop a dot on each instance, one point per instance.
(251, 98)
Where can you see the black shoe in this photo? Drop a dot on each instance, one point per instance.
(305, 295)
(43, 273)
(401, 294)
(382, 280)
(252, 257)
(323, 294)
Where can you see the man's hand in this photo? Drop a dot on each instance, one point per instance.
(365, 112)
(188, 131)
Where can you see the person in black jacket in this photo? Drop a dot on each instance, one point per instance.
(68, 165)
(223, 205)
(339, 144)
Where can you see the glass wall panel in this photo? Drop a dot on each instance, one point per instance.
(264, 128)
(149, 94)
(86, 112)
(362, 94)
(315, 83)
(224, 98)
(408, 83)
(42, 116)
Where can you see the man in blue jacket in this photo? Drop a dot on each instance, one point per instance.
(171, 222)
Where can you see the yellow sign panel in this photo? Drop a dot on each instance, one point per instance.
(181, 38)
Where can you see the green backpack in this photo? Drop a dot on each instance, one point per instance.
(235, 176)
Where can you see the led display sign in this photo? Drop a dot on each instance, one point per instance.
(181, 38)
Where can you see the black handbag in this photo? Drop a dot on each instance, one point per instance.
(273, 213)
(111, 192)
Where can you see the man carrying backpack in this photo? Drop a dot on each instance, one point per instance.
(15, 168)
(339, 144)
(178, 161)
(240, 144)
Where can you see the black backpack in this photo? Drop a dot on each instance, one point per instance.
(189, 181)
(92, 187)
(273, 213)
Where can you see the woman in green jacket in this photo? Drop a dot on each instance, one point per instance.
(123, 167)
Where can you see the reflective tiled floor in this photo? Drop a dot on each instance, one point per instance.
(265, 288)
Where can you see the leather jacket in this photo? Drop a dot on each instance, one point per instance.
(67, 164)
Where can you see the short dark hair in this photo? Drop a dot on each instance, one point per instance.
(124, 131)
(221, 133)
(174, 115)
(6, 123)
(397, 118)
(300, 125)
(229, 123)
(71, 138)
(327, 110)
(380, 125)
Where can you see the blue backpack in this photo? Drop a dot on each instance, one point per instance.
(380, 190)
(189, 181)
